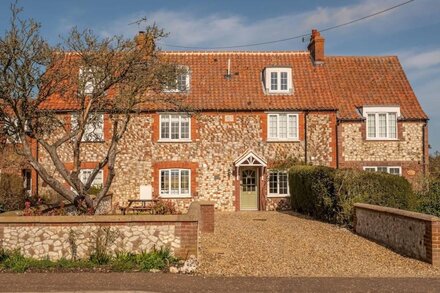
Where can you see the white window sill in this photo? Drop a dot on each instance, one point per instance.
(282, 140)
(381, 139)
(279, 92)
(278, 195)
(174, 140)
(166, 196)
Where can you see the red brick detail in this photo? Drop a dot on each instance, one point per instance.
(107, 127)
(194, 128)
(262, 189)
(34, 174)
(188, 233)
(432, 242)
(237, 188)
(207, 217)
(263, 117)
(171, 165)
(301, 126)
(156, 126)
(333, 140)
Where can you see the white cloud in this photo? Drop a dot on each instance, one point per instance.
(189, 29)
(420, 60)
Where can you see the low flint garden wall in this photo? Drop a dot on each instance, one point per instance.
(412, 234)
(56, 237)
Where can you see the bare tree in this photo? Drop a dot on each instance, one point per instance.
(90, 75)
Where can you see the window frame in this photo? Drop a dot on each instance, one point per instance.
(377, 112)
(287, 138)
(278, 194)
(180, 194)
(73, 122)
(365, 168)
(169, 138)
(81, 173)
(278, 70)
(187, 78)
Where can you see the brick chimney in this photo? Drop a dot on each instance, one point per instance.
(145, 41)
(316, 47)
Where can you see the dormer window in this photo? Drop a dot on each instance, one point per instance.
(381, 122)
(278, 80)
(182, 81)
(86, 80)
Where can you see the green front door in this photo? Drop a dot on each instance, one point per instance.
(249, 189)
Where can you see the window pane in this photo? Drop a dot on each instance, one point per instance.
(184, 127)
(382, 169)
(273, 81)
(284, 81)
(181, 82)
(392, 124)
(273, 182)
(165, 126)
(371, 120)
(184, 181)
(94, 128)
(282, 127)
(174, 181)
(292, 129)
(394, 171)
(174, 127)
(370, 169)
(382, 125)
(164, 182)
(283, 182)
(273, 126)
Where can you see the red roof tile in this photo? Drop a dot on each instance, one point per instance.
(342, 83)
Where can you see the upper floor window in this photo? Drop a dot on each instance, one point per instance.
(282, 126)
(182, 82)
(278, 80)
(385, 169)
(175, 127)
(381, 122)
(278, 183)
(175, 182)
(94, 128)
(86, 80)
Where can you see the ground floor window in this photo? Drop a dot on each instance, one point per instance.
(175, 182)
(97, 182)
(278, 183)
(27, 181)
(385, 169)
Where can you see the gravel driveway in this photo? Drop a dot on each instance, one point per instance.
(288, 244)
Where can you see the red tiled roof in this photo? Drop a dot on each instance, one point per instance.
(341, 83)
(371, 81)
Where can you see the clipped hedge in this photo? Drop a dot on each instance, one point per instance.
(329, 194)
(12, 194)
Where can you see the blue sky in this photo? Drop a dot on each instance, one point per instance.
(411, 32)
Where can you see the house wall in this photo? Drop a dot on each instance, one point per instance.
(407, 152)
(218, 139)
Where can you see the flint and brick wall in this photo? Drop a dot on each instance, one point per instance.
(218, 139)
(67, 236)
(406, 152)
(411, 234)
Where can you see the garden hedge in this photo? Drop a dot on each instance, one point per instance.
(12, 194)
(329, 194)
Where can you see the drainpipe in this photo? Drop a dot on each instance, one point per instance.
(305, 136)
(337, 142)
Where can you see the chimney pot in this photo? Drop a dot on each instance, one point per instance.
(316, 47)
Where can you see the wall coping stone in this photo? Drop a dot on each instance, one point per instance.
(398, 212)
(193, 215)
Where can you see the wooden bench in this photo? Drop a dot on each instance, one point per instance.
(145, 205)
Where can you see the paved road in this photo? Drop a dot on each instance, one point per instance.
(87, 282)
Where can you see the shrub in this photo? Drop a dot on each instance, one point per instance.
(329, 194)
(163, 207)
(429, 199)
(381, 189)
(312, 191)
(12, 195)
